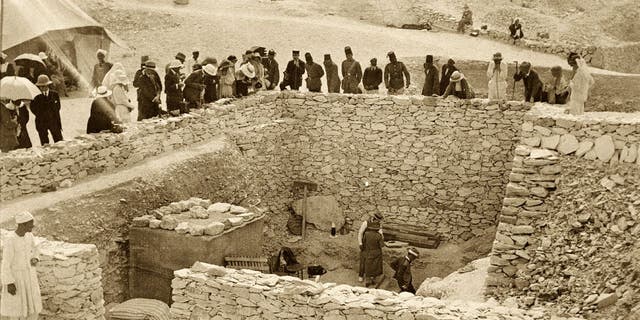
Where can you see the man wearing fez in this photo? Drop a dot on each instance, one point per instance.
(314, 74)
(395, 74)
(351, 73)
(333, 79)
(20, 298)
(293, 73)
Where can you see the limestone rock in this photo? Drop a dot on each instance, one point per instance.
(522, 230)
(516, 190)
(219, 207)
(604, 148)
(196, 230)
(182, 228)
(141, 222)
(321, 212)
(532, 141)
(168, 223)
(541, 154)
(606, 299)
(238, 209)
(550, 142)
(568, 144)
(214, 228)
(584, 147)
(629, 154)
(154, 223)
(235, 221)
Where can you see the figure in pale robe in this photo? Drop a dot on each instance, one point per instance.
(20, 297)
(497, 75)
(580, 84)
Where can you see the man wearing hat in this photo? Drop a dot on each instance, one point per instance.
(532, 82)
(375, 218)
(20, 298)
(431, 79)
(194, 86)
(293, 73)
(351, 73)
(173, 88)
(372, 77)
(180, 57)
(149, 90)
(100, 69)
(459, 87)
(395, 73)
(333, 78)
(314, 74)
(402, 266)
(497, 75)
(272, 71)
(211, 82)
(103, 115)
(46, 108)
(447, 70)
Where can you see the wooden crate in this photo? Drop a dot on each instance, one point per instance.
(413, 235)
(252, 263)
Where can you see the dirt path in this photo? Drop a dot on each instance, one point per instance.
(96, 183)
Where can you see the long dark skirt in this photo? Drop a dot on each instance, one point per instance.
(373, 263)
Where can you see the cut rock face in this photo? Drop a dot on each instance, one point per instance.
(321, 212)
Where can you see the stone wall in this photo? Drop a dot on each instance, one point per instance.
(213, 292)
(69, 276)
(569, 224)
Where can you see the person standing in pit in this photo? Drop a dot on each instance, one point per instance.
(377, 217)
(402, 266)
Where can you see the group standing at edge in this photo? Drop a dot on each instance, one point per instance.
(208, 81)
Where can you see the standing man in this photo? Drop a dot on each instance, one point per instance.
(195, 55)
(402, 266)
(372, 77)
(20, 298)
(193, 87)
(149, 89)
(314, 74)
(431, 82)
(372, 243)
(293, 73)
(272, 70)
(173, 88)
(180, 57)
(532, 82)
(497, 75)
(46, 108)
(447, 70)
(351, 73)
(375, 218)
(394, 72)
(100, 69)
(333, 79)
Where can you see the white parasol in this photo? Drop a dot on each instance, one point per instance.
(18, 88)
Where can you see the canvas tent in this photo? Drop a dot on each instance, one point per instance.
(58, 27)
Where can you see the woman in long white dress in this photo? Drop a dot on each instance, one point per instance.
(20, 298)
(120, 98)
(579, 85)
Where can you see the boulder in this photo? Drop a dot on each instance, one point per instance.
(237, 209)
(568, 144)
(214, 229)
(168, 223)
(321, 212)
(219, 207)
(584, 147)
(550, 142)
(182, 228)
(235, 221)
(532, 141)
(604, 147)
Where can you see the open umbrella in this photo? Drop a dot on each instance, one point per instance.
(18, 88)
(29, 57)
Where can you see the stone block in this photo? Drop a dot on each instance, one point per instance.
(522, 230)
(604, 148)
(550, 142)
(532, 141)
(606, 299)
(219, 207)
(568, 144)
(516, 190)
(214, 229)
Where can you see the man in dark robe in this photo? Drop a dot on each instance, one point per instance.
(272, 70)
(402, 266)
(173, 88)
(314, 74)
(447, 70)
(532, 83)
(211, 83)
(351, 73)
(372, 77)
(103, 113)
(149, 89)
(100, 69)
(333, 78)
(46, 108)
(293, 73)
(431, 81)
(395, 73)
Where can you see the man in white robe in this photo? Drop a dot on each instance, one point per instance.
(497, 75)
(579, 85)
(20, 298)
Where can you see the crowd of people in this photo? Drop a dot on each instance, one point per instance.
(191, 83)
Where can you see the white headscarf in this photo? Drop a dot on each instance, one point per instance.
(110, 78)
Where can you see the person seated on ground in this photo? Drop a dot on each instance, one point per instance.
(466, 20)
(103, 113)
(372, 243)
(402, 266)
(557, 89)
(516, 30)
(377, 217)
(459, 87)
(532, 83)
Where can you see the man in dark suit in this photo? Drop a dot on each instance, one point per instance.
(273, 70)
(149, 88)
(532, 83)
(193, 86)
(173, 88)
(293, 73)
(46, 108)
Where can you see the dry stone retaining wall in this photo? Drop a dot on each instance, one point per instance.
(212, 292)
(70, 280)
(569, 221)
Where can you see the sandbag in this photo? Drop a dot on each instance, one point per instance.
(141, 309)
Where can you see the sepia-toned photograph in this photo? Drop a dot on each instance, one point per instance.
(319, 159)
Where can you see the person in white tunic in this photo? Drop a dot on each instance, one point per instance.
(579, 85)
(497, 74)
(20, 298)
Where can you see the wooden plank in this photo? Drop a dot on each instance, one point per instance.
(414, 240)
(409, 229)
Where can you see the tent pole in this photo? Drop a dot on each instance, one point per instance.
(1, 22)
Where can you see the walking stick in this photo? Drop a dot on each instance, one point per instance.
(513, 93)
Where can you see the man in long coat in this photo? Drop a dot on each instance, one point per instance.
(193, 86)
(20, 296)
(149, 89)
(46, 108)
(431, 81)
(372, 242)
(173, 88)
(272, 70)
(293, 73)
(532, 82)
(314, 74)
(447, 70)
(333, 78)
(351, 73)
(497, 75)
(395, 73)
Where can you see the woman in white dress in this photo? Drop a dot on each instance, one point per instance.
(120, 98)
(20, 297)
